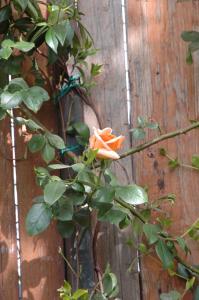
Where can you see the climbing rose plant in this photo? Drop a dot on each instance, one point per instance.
(92, 187)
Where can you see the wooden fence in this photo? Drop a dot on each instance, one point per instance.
(163, 87)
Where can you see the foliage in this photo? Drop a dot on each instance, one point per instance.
(92, 187)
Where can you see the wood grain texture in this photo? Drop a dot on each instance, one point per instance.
(8, 248)
(164, 88)
(104, 21)
(42, 266)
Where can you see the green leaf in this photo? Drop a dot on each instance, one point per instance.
(78, 167)
(21, 3)
(182, 271)
(5, 53)
(87, 178)
(36, 143)
(35, 96)
(190, 283)
(151, 231)
(54, 191)
(66, 228)
(82, 130)
(189, 58)
(172, 295)
(95, 69)
(17, 84)
(195, 161)
(5, 13)
(38, 218)
(64, 211)
(104, 195)
(58, 167)
(152, 125)
(48, 153)
(132, 194)
(164, 254)
(75, 196)
(8, 43)
(190, 36)
(24, 46)
(79, 293)
(196, 293)
(113, 216)
(2, 114)
(64, 32)
(51, 39)
(174, 163)
(182, 244)
(55, 141)
(9, 100)
(110, 178)
(109, 284)
(138, 133)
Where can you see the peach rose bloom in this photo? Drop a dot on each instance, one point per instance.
(106, 143)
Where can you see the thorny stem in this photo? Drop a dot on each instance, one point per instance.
(159, 139)
(68, 263)
(136, 214)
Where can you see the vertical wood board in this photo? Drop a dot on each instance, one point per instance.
(8, 247)
(104, 21)
(164, 88)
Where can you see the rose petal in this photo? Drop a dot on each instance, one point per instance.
(104, 153)
(99, 141)
(116, 143)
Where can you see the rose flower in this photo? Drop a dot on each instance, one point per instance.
(106, 143)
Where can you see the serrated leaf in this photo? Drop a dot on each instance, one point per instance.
(132, 194)
(80, 293)
(56, 141)
(24, 46)
(38, 218)
(190, 36)
(172, 295)
(48, 153)
(51, 39)
(21, 3)
(64, 32)
(109, 284)
(9, 100)
(138, 133)
(34, 98)
(64, 211)
(5, 53)
(195, 161)
(54, 191)
(5, 13)
(58, 167)
(36, 143)
(164, 254)
(151, 231)
(190, 283)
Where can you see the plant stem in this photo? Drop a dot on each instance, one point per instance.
(131, 209)
(159, 139)
(188, 230)
(68, 263)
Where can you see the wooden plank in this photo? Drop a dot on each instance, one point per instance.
(42, 266)
(104, 21)
(8, 248)
(164, 88)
